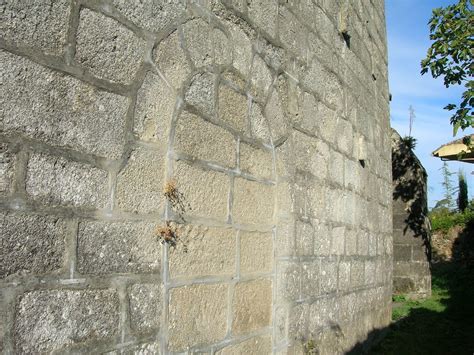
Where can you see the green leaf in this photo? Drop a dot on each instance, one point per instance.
(450, 56)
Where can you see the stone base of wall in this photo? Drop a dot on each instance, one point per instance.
(416, 280)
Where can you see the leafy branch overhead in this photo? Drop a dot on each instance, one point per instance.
(451, 56)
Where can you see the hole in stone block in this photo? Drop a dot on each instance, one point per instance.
(362, 162)
(347, 38)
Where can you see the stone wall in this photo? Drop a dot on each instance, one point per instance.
(211, 176)
(411, 232)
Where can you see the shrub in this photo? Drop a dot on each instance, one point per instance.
(443, 220)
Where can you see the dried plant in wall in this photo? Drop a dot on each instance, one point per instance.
(169, 233)
(176, 198)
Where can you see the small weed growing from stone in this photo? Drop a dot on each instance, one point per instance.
(310, 347)
(409, 142)
(176, 198)
(169, 233)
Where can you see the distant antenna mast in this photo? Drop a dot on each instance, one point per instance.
(412, 118)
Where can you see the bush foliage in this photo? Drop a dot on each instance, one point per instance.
(444, 220)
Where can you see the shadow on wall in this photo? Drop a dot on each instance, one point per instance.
(439, 325)
(409, 187)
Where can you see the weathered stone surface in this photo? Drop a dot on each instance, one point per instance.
(260, 77)
(297, 323)
(313, 156)
(337, 168)
(256, 252)
(118, 247)
(149, 348)
(108, 49)
(352, 174)
(197, 315)
(256, 161)
(320, 49)
(402, 252)
(344, 275)
(252, 306)
(326, 122)
(57, 181)
(222, 47)
(259, 345)
(203, 140)
(414, 285)
(328, 279)
(201, 93)
(152, 15)
(60, 110)
(38, 23)
(205, 44)
(317, 197)
(239, 5)
(285, 237)
(324, 83)
(144, 349)
(259, 126)
(276, 117)
(291, 32)
(322, 313)
(363, 243)
(357, 273)
(289, 276)
(233, 108)
(276, 113)
(345, 138)
(49, 320)
(154, 110)
(373, 245)
(351, 242)
(140, 183)
(264, 15)
(304, 238)
(210, 251)
(171, 60)
(31, 244)
(370, 272)
(334, 94)
(206, 192)
(253, 202)
(310, 278)
(145, 306)
(7, 168)
(337, 240)
(284, 199)
(307, 115)
(242, 50)
(233, 80)
(322, 239)
(197, 34)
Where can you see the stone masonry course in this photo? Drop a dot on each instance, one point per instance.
(181, 176)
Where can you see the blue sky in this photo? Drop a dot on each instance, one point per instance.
(408, 40)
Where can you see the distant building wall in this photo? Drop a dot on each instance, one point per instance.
(253, 134)
(411, 233)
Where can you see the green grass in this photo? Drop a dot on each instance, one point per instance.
(441, 324)
(436, 303)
